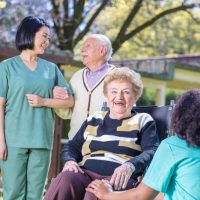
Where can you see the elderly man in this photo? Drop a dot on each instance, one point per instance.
(87, 83)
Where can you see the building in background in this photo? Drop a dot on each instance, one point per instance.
(182, 73)
(160, 74)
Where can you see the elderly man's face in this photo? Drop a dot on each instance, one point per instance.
(93, 52)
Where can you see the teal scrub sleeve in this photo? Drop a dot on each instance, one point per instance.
(60, 80)
(3, 81)
(69, 90)
(161, 168)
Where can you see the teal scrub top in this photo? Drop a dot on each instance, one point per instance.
(175, 170)
(26, 126)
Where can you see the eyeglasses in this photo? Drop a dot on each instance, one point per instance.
(46, 37)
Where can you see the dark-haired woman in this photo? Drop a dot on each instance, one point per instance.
(26, 117)
(175, 168)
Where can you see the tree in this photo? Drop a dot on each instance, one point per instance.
(171, 35)
(74, 19)
(15, 11)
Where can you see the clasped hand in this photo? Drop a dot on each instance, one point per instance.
(119, 180)
(60, 93)
(34, 100)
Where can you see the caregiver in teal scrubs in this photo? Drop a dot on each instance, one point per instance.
(26, 114)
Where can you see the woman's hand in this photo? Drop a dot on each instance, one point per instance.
(3, 150)
(72, 166)
(100, 188)
(121, 176)
(35, 100)
(60, 93)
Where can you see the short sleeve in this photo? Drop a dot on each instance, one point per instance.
(60, 81)
(3, 81)
(161, 168)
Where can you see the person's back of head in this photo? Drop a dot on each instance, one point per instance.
(186, 117)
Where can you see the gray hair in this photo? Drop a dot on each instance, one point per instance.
(104, 40)
(125, 74)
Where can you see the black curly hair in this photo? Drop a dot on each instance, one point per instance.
(185, 120)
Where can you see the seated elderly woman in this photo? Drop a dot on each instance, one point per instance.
(176, 163)
(116, 145)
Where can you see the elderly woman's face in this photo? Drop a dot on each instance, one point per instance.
(121, 98)
(91, 52)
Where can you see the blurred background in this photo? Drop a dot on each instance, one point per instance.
(158, 38)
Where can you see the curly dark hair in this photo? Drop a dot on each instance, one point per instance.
(185, 120)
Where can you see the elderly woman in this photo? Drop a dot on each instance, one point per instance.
(116, 145)
(177, 175)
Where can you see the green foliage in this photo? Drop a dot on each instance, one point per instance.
(7, 21)
(172, 95)
(147, 98)
(14, 12)
(171, 35)
(149, 95)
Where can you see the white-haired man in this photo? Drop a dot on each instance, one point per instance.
(87, 83)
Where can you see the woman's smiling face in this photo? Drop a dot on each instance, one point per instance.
(121, 98)
(42, 38)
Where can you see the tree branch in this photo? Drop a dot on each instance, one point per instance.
(117, 44)
(87, 12)
(91, 8)
(66, 8)
(89, 23)
(191, 15)
(55, 6)
(129, 19)
(55, 14)
(78, 10)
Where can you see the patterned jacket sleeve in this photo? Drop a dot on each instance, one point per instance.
(72, 149)
(149, 142)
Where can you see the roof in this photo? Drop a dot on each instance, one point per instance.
(193, 60)
(161, 68)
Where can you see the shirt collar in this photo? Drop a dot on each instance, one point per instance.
(101, 68)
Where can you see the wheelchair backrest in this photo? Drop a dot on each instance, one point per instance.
(161, 115)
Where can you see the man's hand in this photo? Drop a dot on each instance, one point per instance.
(60, 93)
(72, 166)
(121, 176)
